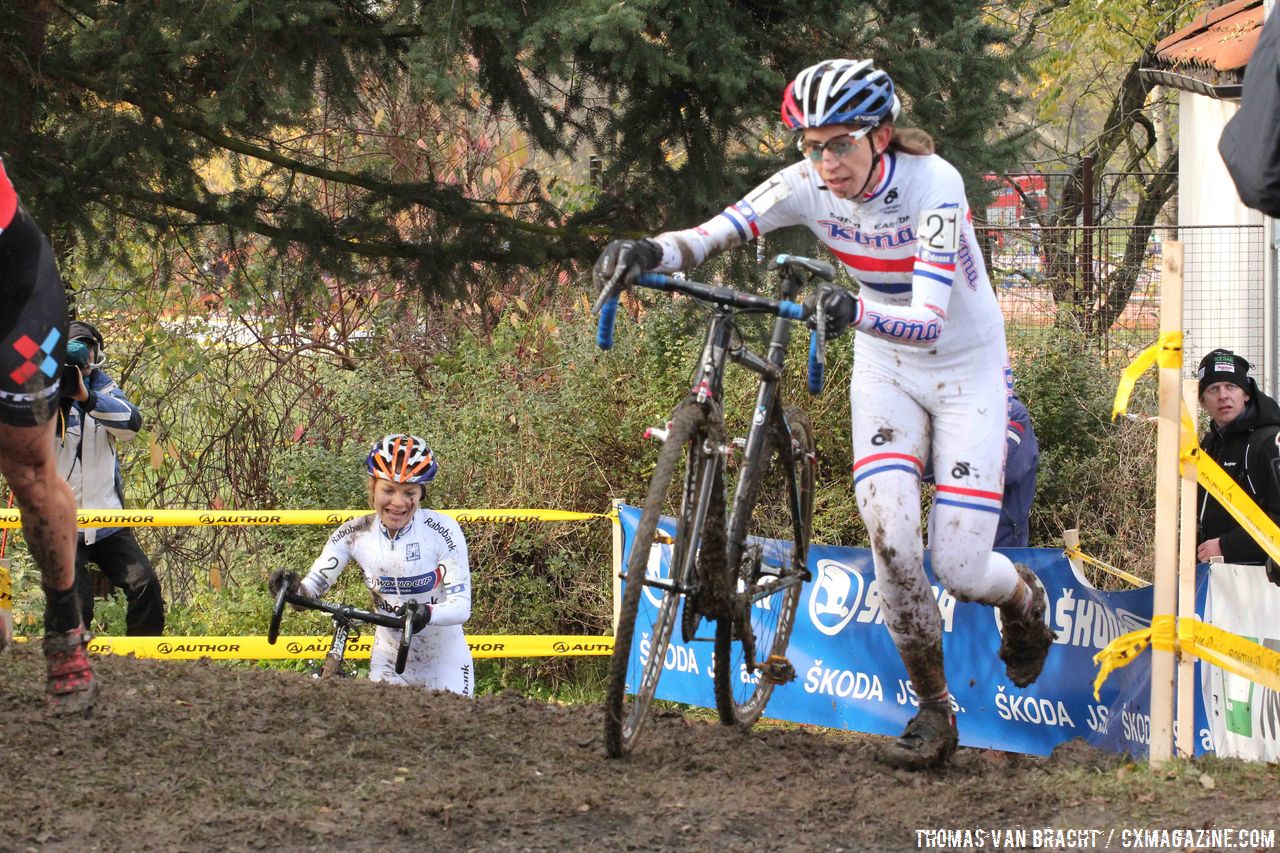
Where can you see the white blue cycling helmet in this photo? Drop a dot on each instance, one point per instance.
(840, 91)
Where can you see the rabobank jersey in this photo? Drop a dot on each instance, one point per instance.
(425, 562)
(909, 241)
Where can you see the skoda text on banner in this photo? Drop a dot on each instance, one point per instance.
(849, 674)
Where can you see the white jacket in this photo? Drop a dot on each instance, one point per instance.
(86, 447)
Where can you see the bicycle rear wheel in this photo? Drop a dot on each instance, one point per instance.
(767, 551)
(648, 612)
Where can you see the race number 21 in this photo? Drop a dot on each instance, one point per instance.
(939, 229)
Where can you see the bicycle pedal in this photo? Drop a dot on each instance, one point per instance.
(777, 670)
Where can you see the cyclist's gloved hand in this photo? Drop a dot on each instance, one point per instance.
(422, 617)
(622, 259)
(279, 578)
(841, 307)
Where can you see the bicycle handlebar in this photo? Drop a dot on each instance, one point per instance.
(743, 301)
(349, 613)
(726, 296)
(604, 331)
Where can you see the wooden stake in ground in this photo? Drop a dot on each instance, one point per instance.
(1167, 478)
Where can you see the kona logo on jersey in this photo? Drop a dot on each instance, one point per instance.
(968, 265)
(837, 230)
(876, 239)
(904, 330)
(884, 240)
(943, 258)
(413, 551)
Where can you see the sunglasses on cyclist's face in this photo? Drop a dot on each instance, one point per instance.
(839, 146)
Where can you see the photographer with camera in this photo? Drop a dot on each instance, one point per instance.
(95, 415)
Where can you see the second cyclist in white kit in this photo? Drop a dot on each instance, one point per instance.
(406, 553)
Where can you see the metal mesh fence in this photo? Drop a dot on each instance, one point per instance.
(1104, 279)
(1105, 282)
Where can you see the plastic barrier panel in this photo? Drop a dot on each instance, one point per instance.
(849, 675)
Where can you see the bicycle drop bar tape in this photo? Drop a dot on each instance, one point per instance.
(657, 281)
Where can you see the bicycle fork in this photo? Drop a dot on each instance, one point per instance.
(337, 653)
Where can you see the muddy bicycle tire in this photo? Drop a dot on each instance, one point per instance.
(767, 513)
(673, 491)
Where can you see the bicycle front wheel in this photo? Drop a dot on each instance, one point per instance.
(651, 600)
(767, 552)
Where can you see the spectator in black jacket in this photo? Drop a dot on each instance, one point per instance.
(1242, 438)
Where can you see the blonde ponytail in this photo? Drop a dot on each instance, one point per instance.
(912, 140)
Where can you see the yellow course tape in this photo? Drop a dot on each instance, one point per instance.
(1234, 500)
(1192, 637)
(1076, 553)
(1166, 351)
(224, 517)
(312, 647)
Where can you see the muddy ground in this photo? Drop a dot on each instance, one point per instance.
(204, 756)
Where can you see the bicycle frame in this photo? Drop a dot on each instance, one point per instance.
(337, 654)
(715, 570)
(706, 384)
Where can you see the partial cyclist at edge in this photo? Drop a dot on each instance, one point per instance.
(931, 377)
(33, 346)
(407, 554)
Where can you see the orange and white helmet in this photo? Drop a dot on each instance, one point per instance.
(402, 459)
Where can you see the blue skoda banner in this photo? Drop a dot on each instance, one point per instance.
(849, 675)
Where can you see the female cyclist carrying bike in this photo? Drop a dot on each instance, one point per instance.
(407, 554)
(930, 379)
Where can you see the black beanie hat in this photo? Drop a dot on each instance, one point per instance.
(1222, 365)
(81, 329)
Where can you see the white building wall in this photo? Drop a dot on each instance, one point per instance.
(1225, 301)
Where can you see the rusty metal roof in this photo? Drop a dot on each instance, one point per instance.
(1209, 55)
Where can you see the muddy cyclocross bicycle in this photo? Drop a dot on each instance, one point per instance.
(738, 565)
(346, 623)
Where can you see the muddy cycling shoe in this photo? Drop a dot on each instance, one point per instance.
(928, 741)
(71, 687)
(1025, 639)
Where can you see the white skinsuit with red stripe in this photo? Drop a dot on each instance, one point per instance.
(930, 372)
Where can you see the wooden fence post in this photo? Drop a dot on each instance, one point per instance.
(1167, 503)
